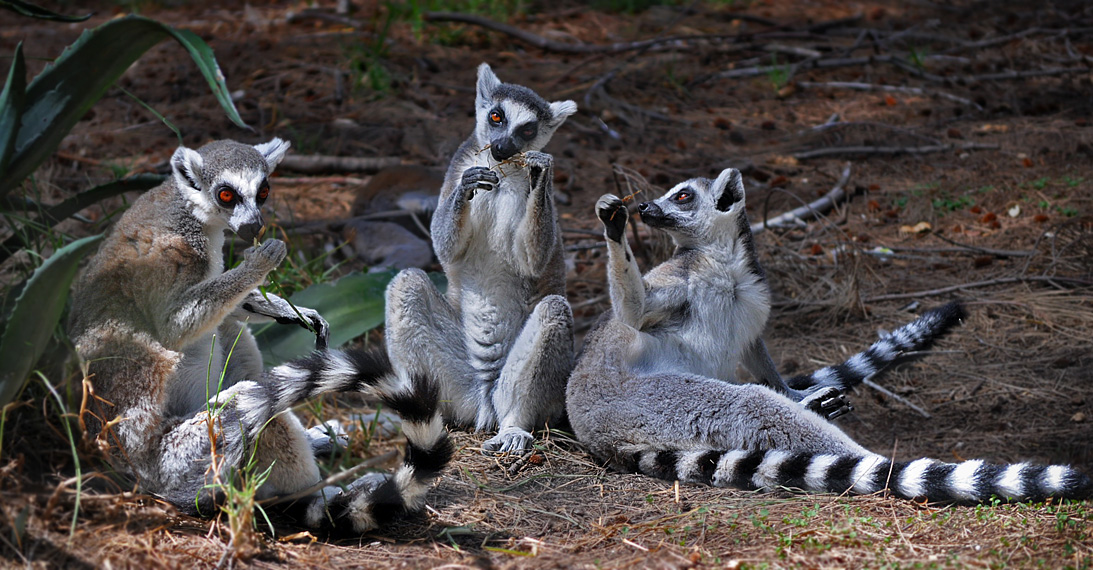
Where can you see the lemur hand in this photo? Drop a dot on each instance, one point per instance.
(537, 163)
(612, 212)
(317, 324)
(266, 256)
(478, 178)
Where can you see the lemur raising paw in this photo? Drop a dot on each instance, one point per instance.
(501, 338)
(650, 394)
(181, 400)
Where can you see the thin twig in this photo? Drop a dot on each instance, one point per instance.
(1000, 281)
(889, 88)
(820, 206)
(890, 150)
(896, 397)
(332, 480)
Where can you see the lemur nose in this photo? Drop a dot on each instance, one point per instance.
(644, 206)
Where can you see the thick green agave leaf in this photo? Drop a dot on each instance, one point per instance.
(11, 106)
(36, 313)
(28, 9)
(59, 96)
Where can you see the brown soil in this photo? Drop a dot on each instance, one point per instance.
(1011, 232)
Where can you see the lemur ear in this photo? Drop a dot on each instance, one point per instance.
(186, 166)
(729, 189)
(487, 83)
(273, 151)
(561, 110)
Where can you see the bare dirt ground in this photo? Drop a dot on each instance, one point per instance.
(972, 180)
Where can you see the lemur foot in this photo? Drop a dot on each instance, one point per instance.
(478, 178)
(612, 212)
(828, 402)
(508, 440)
(327, 438)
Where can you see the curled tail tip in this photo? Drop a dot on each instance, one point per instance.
(951, 314)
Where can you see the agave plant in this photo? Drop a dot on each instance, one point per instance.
(34, 118)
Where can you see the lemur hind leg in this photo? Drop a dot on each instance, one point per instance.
(425, 336)
(531, 389)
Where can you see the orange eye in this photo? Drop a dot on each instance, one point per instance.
(263, 192)
(495, 117)
(682, 196)
(225, 195)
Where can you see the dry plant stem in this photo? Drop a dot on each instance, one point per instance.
(820, 206)
(987, 283)
(987, 250)
(896, 397)
(890, 150)
(315, 164)
(888, 88)
(332, 480)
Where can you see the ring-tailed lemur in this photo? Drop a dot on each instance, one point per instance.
(180, 396)
(501, 339)
(648, 392)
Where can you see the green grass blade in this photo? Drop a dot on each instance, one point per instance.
(36, 313)
(59, 96)
(28, 9)
(11, 106)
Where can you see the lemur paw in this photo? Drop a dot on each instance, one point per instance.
(266, 256)
(828, 402)
(508, 440)
(537, 164)
(327, 438)
(478, 178)
(315, 322)
(612, 212)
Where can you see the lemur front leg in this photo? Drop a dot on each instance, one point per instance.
(827, 401)
(205, 305)
(623, 276)
(267, 306)
(530, 391)
(536, 234)
(449, 226)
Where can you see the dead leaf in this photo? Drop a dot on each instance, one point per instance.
(919, 228)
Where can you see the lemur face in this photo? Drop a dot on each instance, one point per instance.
(227, 182)
(512, 119)
(699, 209)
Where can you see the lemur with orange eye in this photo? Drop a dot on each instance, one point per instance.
(501, 338)
(181, 398)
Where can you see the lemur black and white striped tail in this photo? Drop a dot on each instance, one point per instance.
(966, 482)
(417, 401)
(428, 451)
(916, 335)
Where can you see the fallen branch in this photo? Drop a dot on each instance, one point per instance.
(977, 284)
(315, 164)
(889, 88)
(820, 206)
(896, 397)
(890, 150)
(293, 180)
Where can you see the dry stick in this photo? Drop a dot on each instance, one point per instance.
(889, 88)
(989, 251)
(291, 180)
(987, 283)
(891, 150)
(331, 480)
(561, 47)
(820, 206)
(896, 397)
(314, 164)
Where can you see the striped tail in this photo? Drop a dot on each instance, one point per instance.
(428, 451)
(916, 335)
(966, 482)
(370, 501)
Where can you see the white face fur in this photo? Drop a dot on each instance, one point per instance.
(700, 211)
(227, 182)
(512, 119)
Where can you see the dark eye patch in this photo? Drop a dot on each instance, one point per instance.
(528, 130)
(497, 117)
(684, 196)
